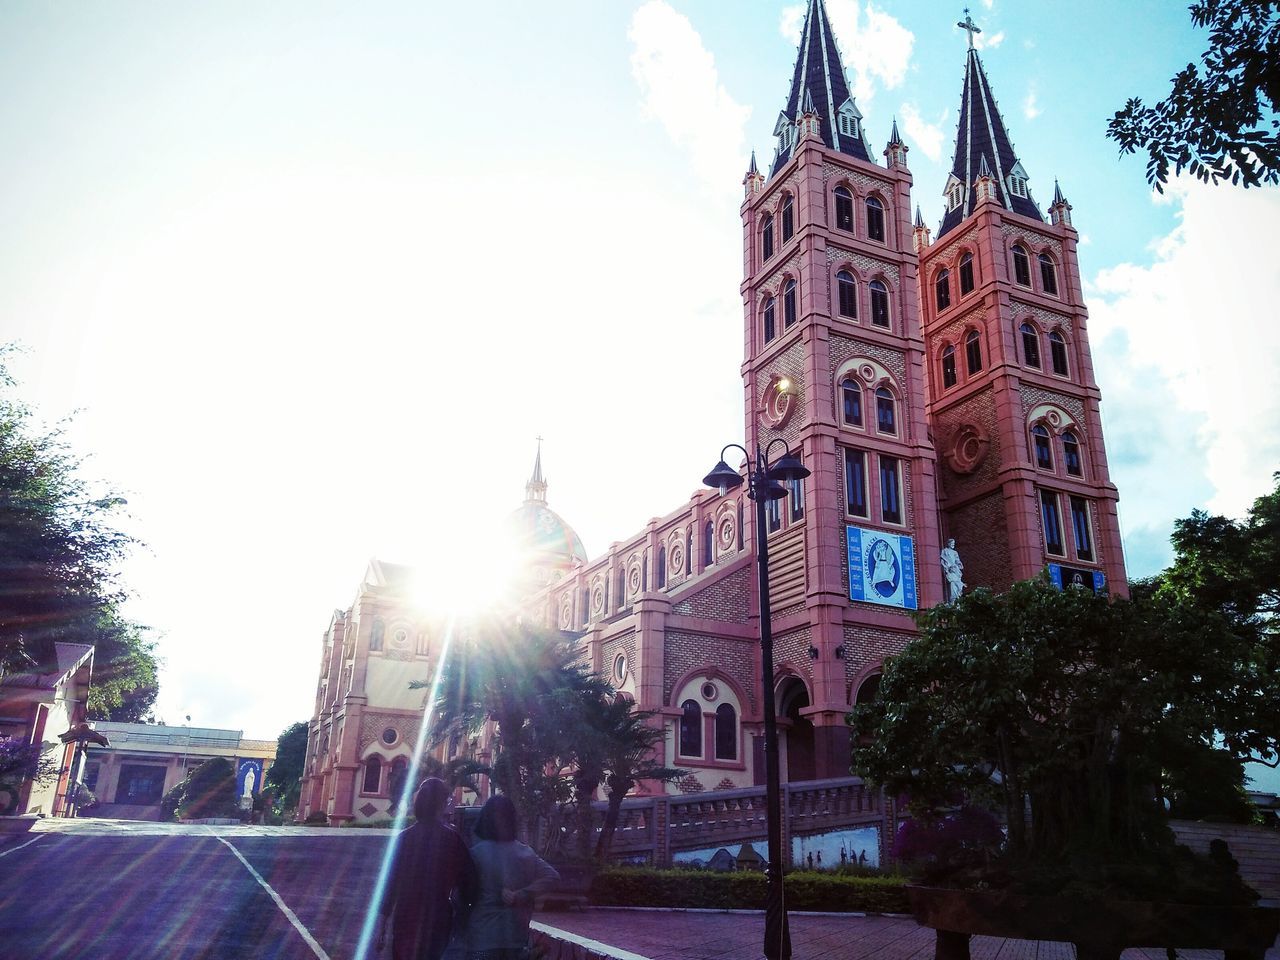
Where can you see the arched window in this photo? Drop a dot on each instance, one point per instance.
(788, 304)
(885, 419)
(662, 567)
(973, 352)
(372, 775)
(1021, 266)
(949, 366)
(875, 219)
(966, 274)
(847, 294)
(1048, 275)
(1058, 353)
(1030, 345)
(879, 303)
(726, 732)
(377, 633)
(690, 729)
(851, 398)
(766, 237)
(770, 326)
(788, 217)
(1071, 454)
(844, 209)
(942, 289)
(1044, 449)
(708, 544)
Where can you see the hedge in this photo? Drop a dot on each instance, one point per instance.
(805, 890)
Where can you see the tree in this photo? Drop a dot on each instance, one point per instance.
(207, 791)
(1219, 120)
(58, 553)
(532, 684)
(1071, 704)
(284, 777)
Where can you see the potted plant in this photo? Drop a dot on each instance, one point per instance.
(1066, 712)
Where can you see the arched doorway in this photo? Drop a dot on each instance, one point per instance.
(792, 697)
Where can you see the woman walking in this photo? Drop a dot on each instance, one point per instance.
(509, 876)
(430, 863)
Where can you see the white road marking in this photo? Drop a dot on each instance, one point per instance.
(17, 848)
(284, 907)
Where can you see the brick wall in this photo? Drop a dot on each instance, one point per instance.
(865, 646)
(726, 599)
(982, 539)
(686, 651)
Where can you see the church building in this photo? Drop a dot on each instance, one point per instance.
(939, 390)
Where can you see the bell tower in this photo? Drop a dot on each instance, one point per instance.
(1012, 399)
(834, 366)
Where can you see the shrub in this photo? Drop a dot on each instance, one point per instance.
(806, 890)
(208, 791)
(968, 837)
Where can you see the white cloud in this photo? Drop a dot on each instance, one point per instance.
(988, 3)
(988, 41)
(929, 137)
(1204, 359)
(873, 44)
(680, 86)
(1030, 106)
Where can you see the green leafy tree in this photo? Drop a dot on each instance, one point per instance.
(21, 761)
(59, 548)
(208, 791)
(1219, 120)
(284, 776)
(1071, 704)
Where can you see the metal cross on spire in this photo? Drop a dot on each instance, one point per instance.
(968, 25)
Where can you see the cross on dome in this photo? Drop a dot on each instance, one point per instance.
(969, 26)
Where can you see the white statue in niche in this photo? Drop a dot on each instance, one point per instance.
(952, 571)
(250, 780)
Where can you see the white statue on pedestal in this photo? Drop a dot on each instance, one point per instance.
(952, 571)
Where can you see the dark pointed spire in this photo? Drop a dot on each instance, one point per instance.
(1057, 193)
(894, 139)
(820, 80)
(753, 169)
(536, 489)
(983, 169)
(919, 219)
(981, 137)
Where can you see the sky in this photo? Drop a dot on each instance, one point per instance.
(309, 278)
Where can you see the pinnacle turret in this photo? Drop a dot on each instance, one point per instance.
(982, 143)
(819, 85)
(535, 491)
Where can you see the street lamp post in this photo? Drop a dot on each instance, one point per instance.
(765, 483)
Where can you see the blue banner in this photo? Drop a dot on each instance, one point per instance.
(1061, 576)
(248, 778)
(882, 568)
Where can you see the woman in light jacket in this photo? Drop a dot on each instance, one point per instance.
(509, 874)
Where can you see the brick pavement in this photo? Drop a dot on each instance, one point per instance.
(721, 935)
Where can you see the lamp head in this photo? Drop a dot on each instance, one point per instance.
(787, 469)
(772, 489)
(723, 478)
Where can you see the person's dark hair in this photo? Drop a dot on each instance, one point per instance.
(429, 801)
(497, 820)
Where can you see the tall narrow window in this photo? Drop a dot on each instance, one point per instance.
(788, 304)
(855, 482)
(662, 567)
(688, 552)
(774, 513)
(885, 419)
(844, 209)
(622, 588)
(847, 292)
(1030, 345)
(851, 397)
(690, 729)
(375, 636)
(1080, 527)
(1052, 521)
(949, 366)
(875, 219)
(1058, 353)
(788, 217)
(1044, 452)
(766, 237)
(1048, 275)
(1071, 454)
(890, 495)
(708, 544)
(770, 324)
(796, 488)
(1021, 267)
(973, 352)
(726, 732)
(942, 290)
(372, 775)
(966, 274)
(879, 303)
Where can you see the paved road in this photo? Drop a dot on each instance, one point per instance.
(119, 890)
